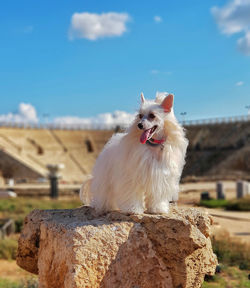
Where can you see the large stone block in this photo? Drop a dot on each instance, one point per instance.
(78, 248)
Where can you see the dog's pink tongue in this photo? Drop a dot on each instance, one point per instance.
(144, 136)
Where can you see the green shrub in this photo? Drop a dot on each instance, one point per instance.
(242, 204)
(8, 249)
(214, 203)
(19, 224)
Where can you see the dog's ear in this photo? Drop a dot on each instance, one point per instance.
(142, 98)
(167, 103)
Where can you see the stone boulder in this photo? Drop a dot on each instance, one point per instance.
(78, 248)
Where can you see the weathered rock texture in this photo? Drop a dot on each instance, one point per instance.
(77, 248)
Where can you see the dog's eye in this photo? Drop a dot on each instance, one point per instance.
(140, 116)
(151, 116)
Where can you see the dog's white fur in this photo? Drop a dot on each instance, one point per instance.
(134, 177)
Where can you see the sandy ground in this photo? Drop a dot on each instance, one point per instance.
(9, 270)
(236, 223)
(190, 192)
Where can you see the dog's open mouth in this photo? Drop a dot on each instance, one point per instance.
(147, 134)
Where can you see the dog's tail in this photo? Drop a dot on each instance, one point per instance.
(85, 191)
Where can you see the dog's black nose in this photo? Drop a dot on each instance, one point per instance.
(140, 126)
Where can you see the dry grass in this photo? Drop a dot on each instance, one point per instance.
(230, 277)
(13, 276)
(12, 272)
(231, 251)
(8, 248)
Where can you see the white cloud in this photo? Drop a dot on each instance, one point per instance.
(169, 73)
(102, 120)
(233, 18)
(28, 29)
(154, 71)
(157, 19)
(93, 26)
(239, 83)
(26, 114)
(244, 44)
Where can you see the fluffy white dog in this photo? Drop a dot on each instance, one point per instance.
(140, 170)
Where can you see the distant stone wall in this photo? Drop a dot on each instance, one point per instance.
(36, 148)
(2, 182)
(218, 150)
(215, 150)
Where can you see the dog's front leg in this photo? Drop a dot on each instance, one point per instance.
(131, 202)
(156, 202)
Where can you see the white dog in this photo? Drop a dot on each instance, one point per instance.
(140, 170)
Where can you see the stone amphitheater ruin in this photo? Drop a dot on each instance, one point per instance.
(215, 150)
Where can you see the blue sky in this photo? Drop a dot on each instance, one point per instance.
(193, 51)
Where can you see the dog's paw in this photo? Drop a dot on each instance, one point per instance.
(160, 208)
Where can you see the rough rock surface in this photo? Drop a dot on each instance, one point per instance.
(78, 248)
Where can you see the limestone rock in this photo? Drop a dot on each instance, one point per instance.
(78, 248)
